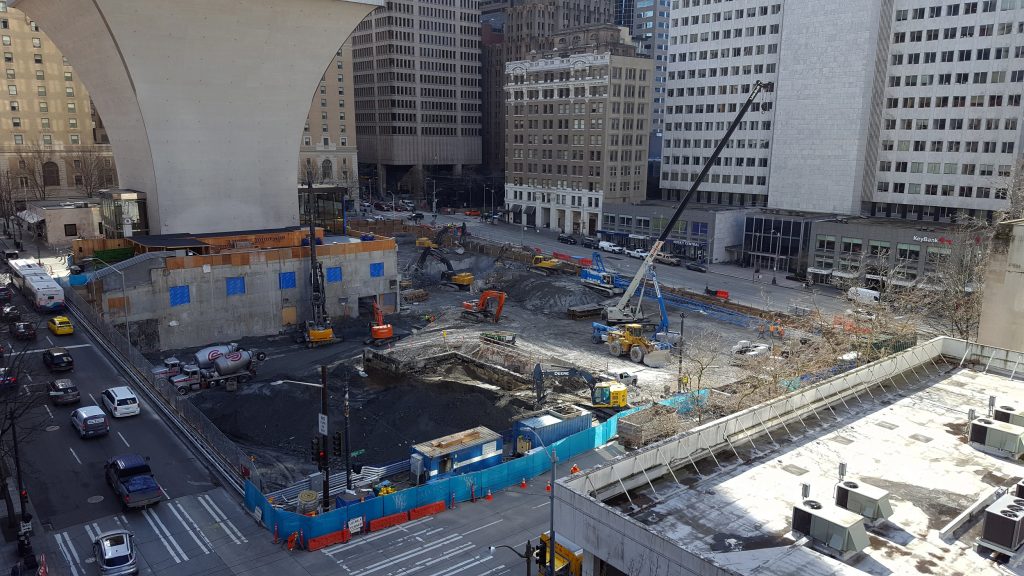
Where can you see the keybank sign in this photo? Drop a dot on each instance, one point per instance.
(932, 240)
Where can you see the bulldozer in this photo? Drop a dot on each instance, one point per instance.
(629, 339)
(480, 311)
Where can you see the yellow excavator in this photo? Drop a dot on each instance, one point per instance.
(547, 266)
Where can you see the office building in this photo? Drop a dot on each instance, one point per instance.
(329, 135)
(416, 70)
(577, 123)
(53, 143)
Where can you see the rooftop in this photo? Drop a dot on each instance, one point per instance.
(907, 437)
(454, 442)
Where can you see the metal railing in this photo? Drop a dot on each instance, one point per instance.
(369, 476)
(221, 452)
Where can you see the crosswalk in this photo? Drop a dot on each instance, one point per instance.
(169, 534)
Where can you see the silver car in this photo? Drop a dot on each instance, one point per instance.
(115, 553)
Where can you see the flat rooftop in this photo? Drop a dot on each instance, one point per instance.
(909, 441)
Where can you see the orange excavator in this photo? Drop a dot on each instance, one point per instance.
(481, 311)
(380, 333)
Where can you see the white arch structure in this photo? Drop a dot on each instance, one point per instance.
(203, 100)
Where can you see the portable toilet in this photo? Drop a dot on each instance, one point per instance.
(458, 453)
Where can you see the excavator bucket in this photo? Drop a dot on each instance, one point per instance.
(657, 358)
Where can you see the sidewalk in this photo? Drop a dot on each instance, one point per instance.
(749, 275)
(9, 544)
(33, 248)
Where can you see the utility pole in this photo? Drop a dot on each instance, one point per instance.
(325, 467)
(22, 495)
(682, 339)
(551, 543)
(348, 448)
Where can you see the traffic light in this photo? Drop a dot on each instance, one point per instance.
(315, 450)
(337, 448)
(542, 553)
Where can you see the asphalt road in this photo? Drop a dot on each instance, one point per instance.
(64, 473)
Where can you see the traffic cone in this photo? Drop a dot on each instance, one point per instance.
(523, 483)
(548, 489)
(574, 470)
(489, 497)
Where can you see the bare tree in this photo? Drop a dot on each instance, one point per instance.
(32, 160)
(91, 168)
(20, 408)
(1014, 184)
(7, 209)
(309, 172)
(702, 354)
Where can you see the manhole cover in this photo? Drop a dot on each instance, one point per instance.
(95, 499)
(52, 428)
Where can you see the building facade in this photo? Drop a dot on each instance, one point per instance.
(416, 68)
(329, 135)
(52, 143)
(702, 234)
(577, 124)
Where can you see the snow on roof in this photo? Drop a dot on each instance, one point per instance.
(911, 444)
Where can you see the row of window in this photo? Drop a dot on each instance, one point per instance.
(44, 106)
(715, 178)
(623, 186)
(557, 199)
(961, 78)
(948, 190)
(12, 89)
(976, 101)
(954, 9)
(47, 139)
(985, 30)
(235, 285)
(947, 168)
(972, 146)
(40, 75)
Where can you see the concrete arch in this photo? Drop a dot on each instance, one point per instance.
(203, 100)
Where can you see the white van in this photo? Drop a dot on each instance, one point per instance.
(862, 295)
(612, 247)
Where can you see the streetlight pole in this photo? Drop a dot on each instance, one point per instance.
(22, 495)
(325, 464)
(778, 250)
(528, 556)
(433, 189)
(348, 449)
(554, 460)
(682, 324)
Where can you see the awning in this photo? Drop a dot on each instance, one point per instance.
(30, 217)
(845, 274)
(517, 208)
(530, 210)
(825, 271)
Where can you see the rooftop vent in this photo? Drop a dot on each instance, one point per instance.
(1008, 414)
(997, 438)
(860, 498)
(1004, 525)
(831, 530)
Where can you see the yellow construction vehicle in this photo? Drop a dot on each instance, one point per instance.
(546, 266)
(462, 280)
(629, 339)
(603, 394)
(424, 242)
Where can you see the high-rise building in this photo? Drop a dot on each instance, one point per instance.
(492, 87)
(52, 142)
(921, 121)
(578, 118)
(329, 135)
(416, 74)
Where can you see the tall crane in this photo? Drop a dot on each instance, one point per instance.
(621, 312)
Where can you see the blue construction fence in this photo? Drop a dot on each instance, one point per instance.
(458, 488)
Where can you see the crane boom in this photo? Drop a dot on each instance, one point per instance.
(621, 311)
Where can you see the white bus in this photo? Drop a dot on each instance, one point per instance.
(42, 291)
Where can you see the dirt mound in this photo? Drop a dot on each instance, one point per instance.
(542, 294)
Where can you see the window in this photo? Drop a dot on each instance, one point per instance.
(376, 269)
(70, 230)
(179, 295)
(72, 108)
(48, 139)
(37, 43)
(69, 92)
(878, 248)
(75, 139)
(45, 123)
(19, 139)
(286, 280)
(37, 58)
(234, 285)
(333, 274)
(827, 243)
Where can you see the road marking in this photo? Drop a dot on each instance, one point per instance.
(164, 492)
(50, 341)
(462, 565)
(408, 554)
(234, 533)
(75, 455)
(129, 445)
(88, 530)
(41, 350)
(482, 527)
(446, 555)
(96, 526)
(542, 505)
(93, 398)
(192, 531)
(150, 516)
(26, 385)
(47, 406)
(331, 550)
(67, 550)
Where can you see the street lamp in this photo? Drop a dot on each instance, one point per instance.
(124, 297)
(778, 250)
(527, 556)
(682, 324)
(433, 189)
(393, 209)
(554, 459)
(322, 428)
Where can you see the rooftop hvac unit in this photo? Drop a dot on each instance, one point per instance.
(831, 530)
(1018, 489)
(1004, 524)
(1008, 414)
(998, 438)
(860, 498)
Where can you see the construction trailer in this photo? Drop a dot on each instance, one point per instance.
(545, 427)
(459, 453)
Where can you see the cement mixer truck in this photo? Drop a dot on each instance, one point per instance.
(203, 359)
(230, 369)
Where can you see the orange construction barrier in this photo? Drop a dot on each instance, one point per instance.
(523, 483)
(329, 540)
(389, 521)
(548, 489)
(292, 539)
(489, 497)
(426, 510)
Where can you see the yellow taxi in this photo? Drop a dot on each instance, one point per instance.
(60, 325)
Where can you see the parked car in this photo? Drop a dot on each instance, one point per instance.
(667, 259)
(63, 391)
(472, 212)
(862, 295)
(8, 380)
(60, 325)
(90, 421)
(23, 331)
(115, 553)
(6, 293)
(132, 480)
(416, 217)
(10, 313)
(58, 359)
(748, 349)
(120, 401)
(696, 266)
(589, 242)
(637, 253)
(610, 247)
(566, 239)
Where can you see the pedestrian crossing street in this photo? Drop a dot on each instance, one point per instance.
(181, 536)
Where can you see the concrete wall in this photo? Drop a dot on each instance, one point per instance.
(212, 315)
(86, 221)
(1003, 305)
(825, 100)
(204, 100)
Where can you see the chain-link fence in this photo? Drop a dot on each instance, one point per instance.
(233, 458)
